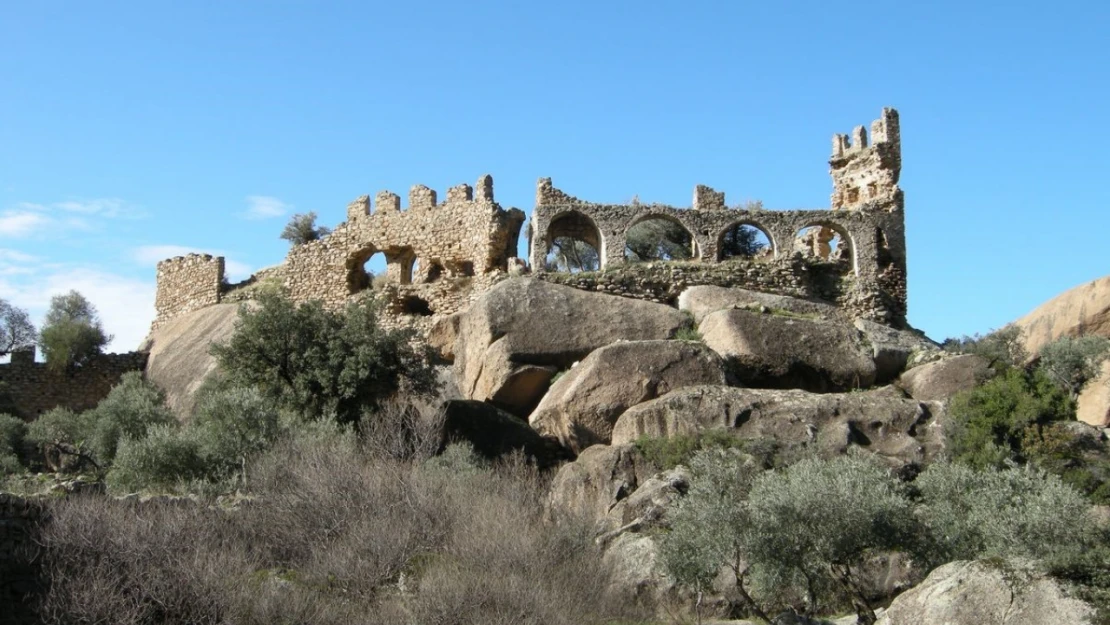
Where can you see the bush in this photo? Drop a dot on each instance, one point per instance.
(988, 423)
(402, 430)
(72, 332)
(666, 453)
(1071, 361)
(63, 438)
(1003, 349)
(321, 363)
(1023, 512)
(164, 458)
(13, 431)
(302, 228)
(332, 537)
(133, 406)
(233, 424)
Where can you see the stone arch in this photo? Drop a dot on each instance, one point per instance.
(358, 278)
(686, 241)
(729, 240)
(828, 241)
(573, 225)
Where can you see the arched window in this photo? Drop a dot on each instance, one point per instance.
(658, 237)
(364, 268)
(744, 240)
(574, 244)
(828, 243)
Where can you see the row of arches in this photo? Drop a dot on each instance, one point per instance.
(371, 267)
(575, 243)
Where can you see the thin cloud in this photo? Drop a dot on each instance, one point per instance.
(21, 223)
(265, 207)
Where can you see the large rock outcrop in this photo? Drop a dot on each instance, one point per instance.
(495, 433)
(514, 338)
(582, 406)
(940, 380)
(987, 593)
(179, 360)
(787, 351)
(1093, 405)
(902, 431)
(700, 301)
(601, 476)
(1084, 309)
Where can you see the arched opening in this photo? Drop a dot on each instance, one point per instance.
(745, 240)
(657, 237)
(827, 243)
(574, 244)
(413, 305)
(414, 271)
(366, 268)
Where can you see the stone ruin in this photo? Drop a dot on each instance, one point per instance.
(440, 256)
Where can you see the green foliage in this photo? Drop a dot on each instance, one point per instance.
(1001, 348)
(458, 459)
(1087, 573)
(318, 362)
(128, 411)
(668, 452)
(72, 332)
(1022, 511)
(165, 457)
(861, 510)
(1071, 361)
(1081, 460)
(302, 228)
(16, 329)
(12, 433)
(63, 436)
(688, 333)
(987, 424)
(658, 239)
(572, 255)
(742, 240)
(231, 425)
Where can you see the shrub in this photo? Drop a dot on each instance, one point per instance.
(63, 438)
(302, 228)
(1002, 349)
(401, 430)
(128, 411)
(321, 363)
(164, 458)
(72, 332)
(988, 423)
(861, 510)
(1071, 361)
(666, 453)
(233, 424)
(12, 433)
(1021, 511)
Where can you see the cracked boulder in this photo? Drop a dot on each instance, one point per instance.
(700, 301)
(904, 432)
(940, 380)
(780, 350)
(582, 406)
(987, 592)
(520, 333)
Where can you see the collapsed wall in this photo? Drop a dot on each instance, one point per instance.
(440, 256)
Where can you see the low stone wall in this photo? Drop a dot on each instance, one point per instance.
(33, 388)
(20, 581)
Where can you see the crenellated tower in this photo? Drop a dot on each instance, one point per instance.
(865, 176)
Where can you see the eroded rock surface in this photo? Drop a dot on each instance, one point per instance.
(987, 593)
(787, 351)
(514, 339)
(1084, 309)
(582, 406)
(700, 301)
(940, 380)
(902, 431)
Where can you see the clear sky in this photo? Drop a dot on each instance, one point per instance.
(133, 131)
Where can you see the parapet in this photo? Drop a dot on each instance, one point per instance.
(187, 283)
(421, 197)
(548, 195)
(865, 176)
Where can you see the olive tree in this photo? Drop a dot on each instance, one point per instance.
(302, 228)
(72, 332)
(1071, 361)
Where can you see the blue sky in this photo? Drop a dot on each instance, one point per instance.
(130, 131)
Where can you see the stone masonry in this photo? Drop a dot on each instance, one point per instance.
(33, 388)
(440, 256)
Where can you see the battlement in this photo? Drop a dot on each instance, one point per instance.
(707, 199)
(865, 176)
(421, 198)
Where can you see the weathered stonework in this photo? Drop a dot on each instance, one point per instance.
(187, 283)
(33, 388)
(442, 256)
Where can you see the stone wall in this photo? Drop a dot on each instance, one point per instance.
(187, 283)
(20, 583)
(33, 388)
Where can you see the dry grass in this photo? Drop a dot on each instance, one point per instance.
(331, 536)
